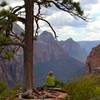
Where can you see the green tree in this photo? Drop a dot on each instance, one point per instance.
(26, 15)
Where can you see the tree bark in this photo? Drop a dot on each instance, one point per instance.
(28, 46)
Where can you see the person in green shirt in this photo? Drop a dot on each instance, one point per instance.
(50, 82)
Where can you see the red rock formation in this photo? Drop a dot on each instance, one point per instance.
(93, 60)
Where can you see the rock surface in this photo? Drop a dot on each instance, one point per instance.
(45, 94)
(93, 60)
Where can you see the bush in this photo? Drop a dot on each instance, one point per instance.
(6, 92)
(59, 84)
(95, 98)
(84, 88)
(3, 87)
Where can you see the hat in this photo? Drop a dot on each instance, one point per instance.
(50, 72)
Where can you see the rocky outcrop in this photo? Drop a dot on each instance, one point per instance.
(44, 94)
(93, 60)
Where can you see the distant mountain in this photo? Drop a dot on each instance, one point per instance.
(46, 37)
(74, 49)
(17, 29)
(88, 45)
(48, 55)
(46, 48)
(64, 70)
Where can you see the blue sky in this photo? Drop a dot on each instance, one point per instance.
(66, 26)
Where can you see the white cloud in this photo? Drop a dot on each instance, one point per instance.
(76, 0)
(66, 26)
(88, 2)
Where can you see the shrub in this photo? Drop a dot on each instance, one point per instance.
(6, 92)
(84, 88)
(59, 84)
(3, 87)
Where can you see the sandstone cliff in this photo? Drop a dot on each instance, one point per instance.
(93, 60)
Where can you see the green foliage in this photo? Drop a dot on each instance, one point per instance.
(6, 20)
(22, 34)
(74, 6)
(7, 13)
(95, 98)
(6, 92)
(4, 13)
(3, 87)
(97, 90)
(69, 6)
(4, 39)
(59, 84)
(8, 55)
(84, 88)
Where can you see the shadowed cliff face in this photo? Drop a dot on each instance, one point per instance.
(93, 60)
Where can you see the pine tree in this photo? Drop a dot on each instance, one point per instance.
(26, 41)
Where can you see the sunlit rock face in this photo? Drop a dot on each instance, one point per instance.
(93, 60)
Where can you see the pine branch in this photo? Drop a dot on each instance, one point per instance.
(17, 8)
(48, 24)
(12, 43)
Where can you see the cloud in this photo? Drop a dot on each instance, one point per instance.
(66, 26)
(88, 2)
(60, 19)
(10, 1)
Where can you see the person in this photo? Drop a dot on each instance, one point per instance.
(50, 82)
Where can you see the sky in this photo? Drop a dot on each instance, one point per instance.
(68, 27)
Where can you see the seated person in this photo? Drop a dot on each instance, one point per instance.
(50, 82)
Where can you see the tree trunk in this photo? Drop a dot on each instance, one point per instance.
(28, 47)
